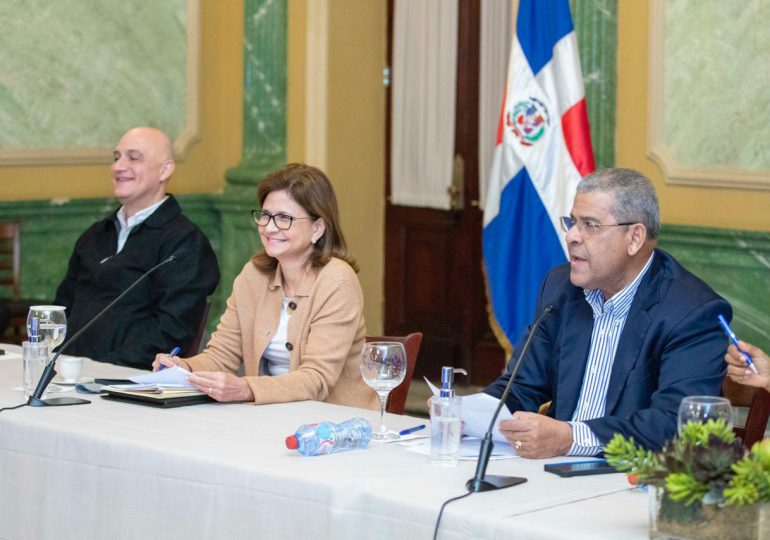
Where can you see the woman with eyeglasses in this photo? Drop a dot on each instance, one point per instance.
(294, 320)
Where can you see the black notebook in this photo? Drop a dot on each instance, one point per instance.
(113, 381)
(162, 399)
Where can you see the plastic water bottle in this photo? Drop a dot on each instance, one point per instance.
(34, 353)
(327, 438)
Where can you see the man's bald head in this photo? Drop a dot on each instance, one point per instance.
(143, 161)
(153, 140)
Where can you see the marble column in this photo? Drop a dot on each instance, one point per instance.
(264, 92)
(596, 27)
(264, 136)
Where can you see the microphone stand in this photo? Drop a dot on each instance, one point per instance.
(36, 399)
(482, 482)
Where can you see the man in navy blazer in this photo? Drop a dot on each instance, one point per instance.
(632, 332)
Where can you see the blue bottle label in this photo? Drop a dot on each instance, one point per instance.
(324, 437)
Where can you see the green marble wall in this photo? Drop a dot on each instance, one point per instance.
(264, 94)
(596, 27)
(264, 132)
(76, 75)
(736, 264)
(715, 83)
(50, 230)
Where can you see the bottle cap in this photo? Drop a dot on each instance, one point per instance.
(448, 380)
(291, 442)
(34, 331)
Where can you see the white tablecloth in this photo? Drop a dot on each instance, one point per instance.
(118, 470)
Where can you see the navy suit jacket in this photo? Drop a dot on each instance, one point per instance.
(671, 347)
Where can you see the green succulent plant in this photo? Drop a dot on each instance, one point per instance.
(751, 482)
(705, 463)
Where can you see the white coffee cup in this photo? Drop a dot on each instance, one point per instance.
(69, 368)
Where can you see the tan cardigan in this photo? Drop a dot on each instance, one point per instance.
(325, 336)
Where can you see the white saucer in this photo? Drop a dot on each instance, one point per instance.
(81, 380)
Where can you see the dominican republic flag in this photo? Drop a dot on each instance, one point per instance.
(543, 149)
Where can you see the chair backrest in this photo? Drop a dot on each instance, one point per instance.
(757, 401)
(412, 342)
(195, 346)
(10, 257)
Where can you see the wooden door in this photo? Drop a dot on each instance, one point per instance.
(433, 266)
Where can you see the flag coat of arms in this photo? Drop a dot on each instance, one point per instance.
(543, 149)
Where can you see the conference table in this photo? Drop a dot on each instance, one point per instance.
(120, 470)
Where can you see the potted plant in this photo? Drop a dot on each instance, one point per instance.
(704, 485)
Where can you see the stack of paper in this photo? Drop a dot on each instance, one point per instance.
(160, 391)
(165, 388)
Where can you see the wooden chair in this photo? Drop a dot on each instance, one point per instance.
(412, 342)
(10, 264)
(757, 401)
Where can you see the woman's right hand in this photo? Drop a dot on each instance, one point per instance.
(739, 372)
(164, 360)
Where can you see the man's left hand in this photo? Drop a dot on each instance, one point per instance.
(536, 435)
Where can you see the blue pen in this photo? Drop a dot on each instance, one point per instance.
(411, 429)
(734, 340)
(174, 352)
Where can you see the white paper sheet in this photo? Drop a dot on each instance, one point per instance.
(469, 449)
(175, 377)
(433, 387)
(477, 411)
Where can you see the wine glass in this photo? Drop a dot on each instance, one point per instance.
(702, 409)
(383, 367)
(52, 326)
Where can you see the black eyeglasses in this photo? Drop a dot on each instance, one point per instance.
(282, 221)
(586, 226)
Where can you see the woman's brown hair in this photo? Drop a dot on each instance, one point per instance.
(311, 189)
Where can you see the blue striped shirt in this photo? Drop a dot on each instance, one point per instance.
(609, 320)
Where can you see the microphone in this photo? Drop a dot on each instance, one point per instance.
(36, 399)
(481, 482)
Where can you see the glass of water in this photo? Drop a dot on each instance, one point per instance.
(383, 367)
(702, 409)
(52, 324)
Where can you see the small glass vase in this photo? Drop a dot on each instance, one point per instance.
(671, 520)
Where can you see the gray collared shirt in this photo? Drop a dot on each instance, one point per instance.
(127, 224)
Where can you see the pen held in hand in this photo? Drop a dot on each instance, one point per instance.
(173, 353)
(734, 340)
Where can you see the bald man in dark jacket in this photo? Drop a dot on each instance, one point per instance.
(165, 310)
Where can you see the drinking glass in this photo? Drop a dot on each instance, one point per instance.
(702, 409)
(52, 324)
(383, 367)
